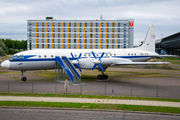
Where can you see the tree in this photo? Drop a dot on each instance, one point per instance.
(141, 43)
(2, 48)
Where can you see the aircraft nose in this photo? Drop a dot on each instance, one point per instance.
(5, 64)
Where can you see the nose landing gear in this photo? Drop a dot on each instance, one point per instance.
(23, 78)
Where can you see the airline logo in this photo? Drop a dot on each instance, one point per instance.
(131, 23)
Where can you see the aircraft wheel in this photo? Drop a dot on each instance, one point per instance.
(99, 77)
(106, 77)
(23, 79)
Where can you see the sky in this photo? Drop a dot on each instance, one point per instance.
(164, 14)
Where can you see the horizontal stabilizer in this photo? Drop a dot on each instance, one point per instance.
(143, 63)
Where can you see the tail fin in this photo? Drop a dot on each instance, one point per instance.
(149, 43)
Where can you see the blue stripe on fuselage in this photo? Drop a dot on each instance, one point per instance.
(53, 59)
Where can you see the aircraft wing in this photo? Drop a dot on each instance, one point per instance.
(143, 63)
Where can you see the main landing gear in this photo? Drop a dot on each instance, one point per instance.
(23, 78)
(102, 77)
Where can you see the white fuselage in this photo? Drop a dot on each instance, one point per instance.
(45, 58)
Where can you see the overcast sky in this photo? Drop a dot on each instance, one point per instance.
(164, 14)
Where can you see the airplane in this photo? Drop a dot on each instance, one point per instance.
(101, 59)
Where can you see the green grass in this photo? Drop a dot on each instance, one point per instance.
(92, 106)
(90, 96)
(91, 76)
(3, 73)
(170, 58)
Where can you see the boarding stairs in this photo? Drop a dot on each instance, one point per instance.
(64, 66)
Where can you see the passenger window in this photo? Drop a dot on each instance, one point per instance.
(131, 53)
(39, 56)
(128, 54)
(114, 54)
(134, 53)
(52, 56)
(45, 56)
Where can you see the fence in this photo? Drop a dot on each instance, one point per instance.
(92, 88)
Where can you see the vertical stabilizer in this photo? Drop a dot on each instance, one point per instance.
(149, 43)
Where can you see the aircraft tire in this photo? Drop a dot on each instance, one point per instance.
(106, 77)
(99, 77)
(23, 79)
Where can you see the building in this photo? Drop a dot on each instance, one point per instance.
(169, 45)
(80, 34)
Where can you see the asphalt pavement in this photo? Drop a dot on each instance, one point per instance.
(58, 114)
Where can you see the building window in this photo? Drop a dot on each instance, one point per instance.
(37, 40)
(42, 40)
(96, 35)
(107, 24)
(85, 24)
(107, 29)
(91, 24)
(69, 24)
(96, 29)
(118, 24)
(96, 24)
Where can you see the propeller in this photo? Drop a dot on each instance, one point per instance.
(76, 62)
(97, 61)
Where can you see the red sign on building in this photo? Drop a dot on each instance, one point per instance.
(131, 23)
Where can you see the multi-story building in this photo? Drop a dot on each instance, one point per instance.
(80, 34)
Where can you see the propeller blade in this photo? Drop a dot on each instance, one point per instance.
(102, 69)
(72, 55)
(79, 56)
(79, 67)
(94, 55)
(101, 56)
(94, 67)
